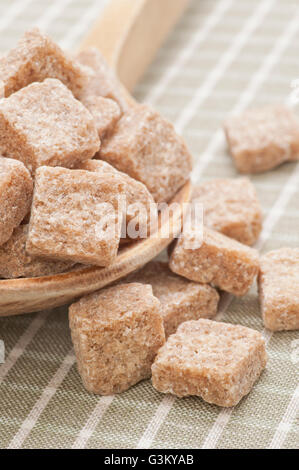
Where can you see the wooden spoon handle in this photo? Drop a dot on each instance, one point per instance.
(129, 33)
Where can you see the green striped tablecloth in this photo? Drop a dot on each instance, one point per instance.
(224, 55)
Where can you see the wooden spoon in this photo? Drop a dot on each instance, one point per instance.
(129, 33)
(125, 25)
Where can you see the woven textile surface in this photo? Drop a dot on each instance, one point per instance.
(224, 55)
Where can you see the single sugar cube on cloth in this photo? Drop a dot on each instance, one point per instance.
(76, 215)
(145, 146)
(231, 207)
(217, 361)
(16, 188)
(100, 79)
(181, 300)
(262, 139)
(117, 333)
(279, 289)
(35, 58)
(215, 259)
(141, 210)
(105, 112)
(43, 124)
(16, 262)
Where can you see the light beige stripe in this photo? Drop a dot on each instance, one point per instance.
(286, 422)
(211, 21)
(92, 422)
(42, 402)
(221, 94)
(225, 61)
(22, 344)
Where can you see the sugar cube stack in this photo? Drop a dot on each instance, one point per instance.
(117, 333)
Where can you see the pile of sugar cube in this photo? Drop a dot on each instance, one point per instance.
(73, 149)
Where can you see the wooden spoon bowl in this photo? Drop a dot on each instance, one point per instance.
(124, 23)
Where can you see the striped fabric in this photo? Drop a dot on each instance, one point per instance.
(225, 55)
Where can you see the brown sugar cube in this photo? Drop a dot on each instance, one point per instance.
(262, 139)
(76, 215)
(181, 300)
(35, 58)
(16, 188)
(215, 259)
(231, 207)
(116, 334)
(105, 112)
(145, 146)
(16, 262)
(137, 197)
(101, 80)
(216, 361)
(43, 124)
(279, 289)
